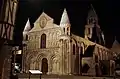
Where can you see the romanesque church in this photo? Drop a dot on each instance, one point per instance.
(54, 49)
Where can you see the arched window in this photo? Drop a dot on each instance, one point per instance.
(73, 49)
(43, 41)
(67, 30)
(88, 30)
(26, 37)
(64, 29)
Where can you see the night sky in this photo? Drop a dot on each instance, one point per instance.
(107, 11)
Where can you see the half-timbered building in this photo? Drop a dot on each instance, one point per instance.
(8, 10)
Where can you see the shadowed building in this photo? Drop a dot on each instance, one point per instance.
(7, 20)
(53, 49)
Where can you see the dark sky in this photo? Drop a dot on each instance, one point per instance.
(107, 11)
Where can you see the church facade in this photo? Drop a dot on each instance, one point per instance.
(53, 49)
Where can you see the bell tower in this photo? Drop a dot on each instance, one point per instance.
(65, 23)
(92, 29)
(91, 20)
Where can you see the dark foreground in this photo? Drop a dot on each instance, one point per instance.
(26, 76)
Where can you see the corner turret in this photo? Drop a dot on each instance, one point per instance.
(65, 23)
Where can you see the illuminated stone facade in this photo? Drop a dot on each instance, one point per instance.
(53, 49)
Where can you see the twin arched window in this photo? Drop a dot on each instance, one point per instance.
(43, 41)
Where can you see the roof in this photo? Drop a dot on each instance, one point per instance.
(64, 18)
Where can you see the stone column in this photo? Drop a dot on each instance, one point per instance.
(40, 64)
(49, 67)
(61, 55)
(70, 57)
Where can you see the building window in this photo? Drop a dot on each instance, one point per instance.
(26, 37)
(67, 30)
(88, 30)
(73, 49)
(64, 29)
(43, 41)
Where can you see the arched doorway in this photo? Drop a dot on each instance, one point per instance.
(44, 67)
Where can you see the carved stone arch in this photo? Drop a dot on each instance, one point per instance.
(40, 56)
(29, 57)
(51, 58)
(28, 61)
(53, 55)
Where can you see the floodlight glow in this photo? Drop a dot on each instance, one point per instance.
(35, 71)
(19, 52)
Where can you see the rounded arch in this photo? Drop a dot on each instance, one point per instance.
(29, 57)
(44, 65)
(52, 56)
(40, 56)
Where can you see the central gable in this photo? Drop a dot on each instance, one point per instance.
(43, 22)
(43, 15)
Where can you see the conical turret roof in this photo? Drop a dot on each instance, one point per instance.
(64, 18)
(92, 13)
(27, 26)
